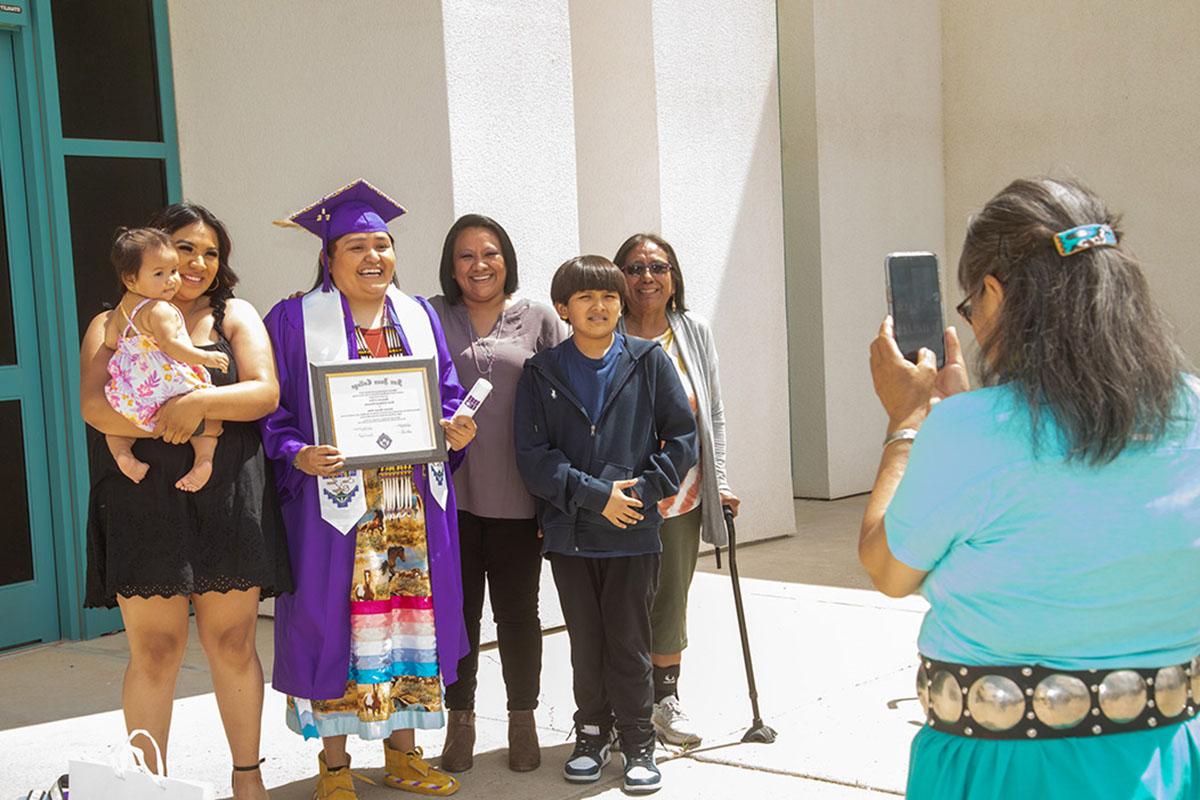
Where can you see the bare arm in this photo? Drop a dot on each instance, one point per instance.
(93, 375)
(255, 395)
(112, 329)
(907, 392)
(165, 324)
(890, 575)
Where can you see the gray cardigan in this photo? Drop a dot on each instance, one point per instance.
(699, 352)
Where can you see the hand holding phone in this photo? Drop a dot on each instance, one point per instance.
(914, 298)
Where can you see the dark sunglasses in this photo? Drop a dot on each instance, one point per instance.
(655, 267)
(964, 310)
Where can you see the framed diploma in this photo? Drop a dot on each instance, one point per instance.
(380, 411)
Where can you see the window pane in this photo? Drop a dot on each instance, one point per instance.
(8, 338)
(105, 194)
(15, 541)
(107, 74)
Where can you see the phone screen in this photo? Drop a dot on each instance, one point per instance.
(915, 300)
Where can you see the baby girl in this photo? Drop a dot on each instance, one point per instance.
(155, 359)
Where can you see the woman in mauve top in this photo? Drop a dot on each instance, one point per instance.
(490, 335)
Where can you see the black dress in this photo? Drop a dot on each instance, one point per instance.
(153, 540)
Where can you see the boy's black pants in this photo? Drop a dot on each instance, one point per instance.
(606, 603)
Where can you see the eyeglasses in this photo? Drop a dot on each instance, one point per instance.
(655, 267)
(964, 310)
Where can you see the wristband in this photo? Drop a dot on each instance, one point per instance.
(900, 435)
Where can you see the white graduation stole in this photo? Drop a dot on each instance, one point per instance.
(343, 496)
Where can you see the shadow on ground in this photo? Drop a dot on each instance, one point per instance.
(824, 551)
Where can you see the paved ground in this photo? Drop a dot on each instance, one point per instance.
(833, 662)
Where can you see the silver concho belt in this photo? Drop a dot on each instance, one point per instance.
(1037, 702)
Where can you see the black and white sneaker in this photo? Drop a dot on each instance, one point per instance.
(591, 753)
(641, 773)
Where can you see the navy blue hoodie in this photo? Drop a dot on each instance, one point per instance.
(645, 430)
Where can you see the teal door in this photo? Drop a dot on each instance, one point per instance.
(28, 586)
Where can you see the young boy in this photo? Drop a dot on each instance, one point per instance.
(603, 432)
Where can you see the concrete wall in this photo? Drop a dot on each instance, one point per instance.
(1109, 98)
(802, 237)
(901, 119)
(872, 112)
(508, 79)
(277, 105)
(616, 122)
(721, 206)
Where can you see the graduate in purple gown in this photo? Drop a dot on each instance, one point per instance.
(375, 624)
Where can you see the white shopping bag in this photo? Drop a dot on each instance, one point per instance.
(126, 777)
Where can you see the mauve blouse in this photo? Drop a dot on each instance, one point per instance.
(488, 484)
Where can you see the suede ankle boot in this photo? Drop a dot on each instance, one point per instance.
(458, 754)
(524, 754)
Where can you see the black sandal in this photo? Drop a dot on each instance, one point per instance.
(251, 768)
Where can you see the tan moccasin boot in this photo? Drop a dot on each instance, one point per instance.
(410, 772)
(336, 784)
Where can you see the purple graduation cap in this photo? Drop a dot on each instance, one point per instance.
(357, 207)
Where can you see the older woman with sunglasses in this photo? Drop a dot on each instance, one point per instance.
(1050, 519)
(655, 310)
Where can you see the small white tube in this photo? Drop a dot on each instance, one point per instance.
(474, 398)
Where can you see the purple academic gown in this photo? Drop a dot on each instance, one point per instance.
(312, 624)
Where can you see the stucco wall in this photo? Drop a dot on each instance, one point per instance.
(616, 123)
(1109, 98)
(878, 185)
(508, 79)
(802, 246)
(721, 206)
(277, 104)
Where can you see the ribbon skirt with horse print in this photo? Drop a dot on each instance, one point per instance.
(393, 681)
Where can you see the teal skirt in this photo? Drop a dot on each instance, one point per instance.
(1163, 764)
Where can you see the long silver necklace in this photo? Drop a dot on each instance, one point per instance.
(489, 351)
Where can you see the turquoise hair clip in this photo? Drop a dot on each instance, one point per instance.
(1084, 237)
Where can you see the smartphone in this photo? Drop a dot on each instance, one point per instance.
(914, 296)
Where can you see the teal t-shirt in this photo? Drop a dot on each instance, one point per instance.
(1035, 559)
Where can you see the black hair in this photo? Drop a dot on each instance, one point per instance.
(130, 246)
(180, 215)
(450, 288)
(676, 302)
(584, 274)
(1078, 336)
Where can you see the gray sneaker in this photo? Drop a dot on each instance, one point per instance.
(672, 723)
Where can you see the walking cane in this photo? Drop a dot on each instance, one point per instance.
(759, 732)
